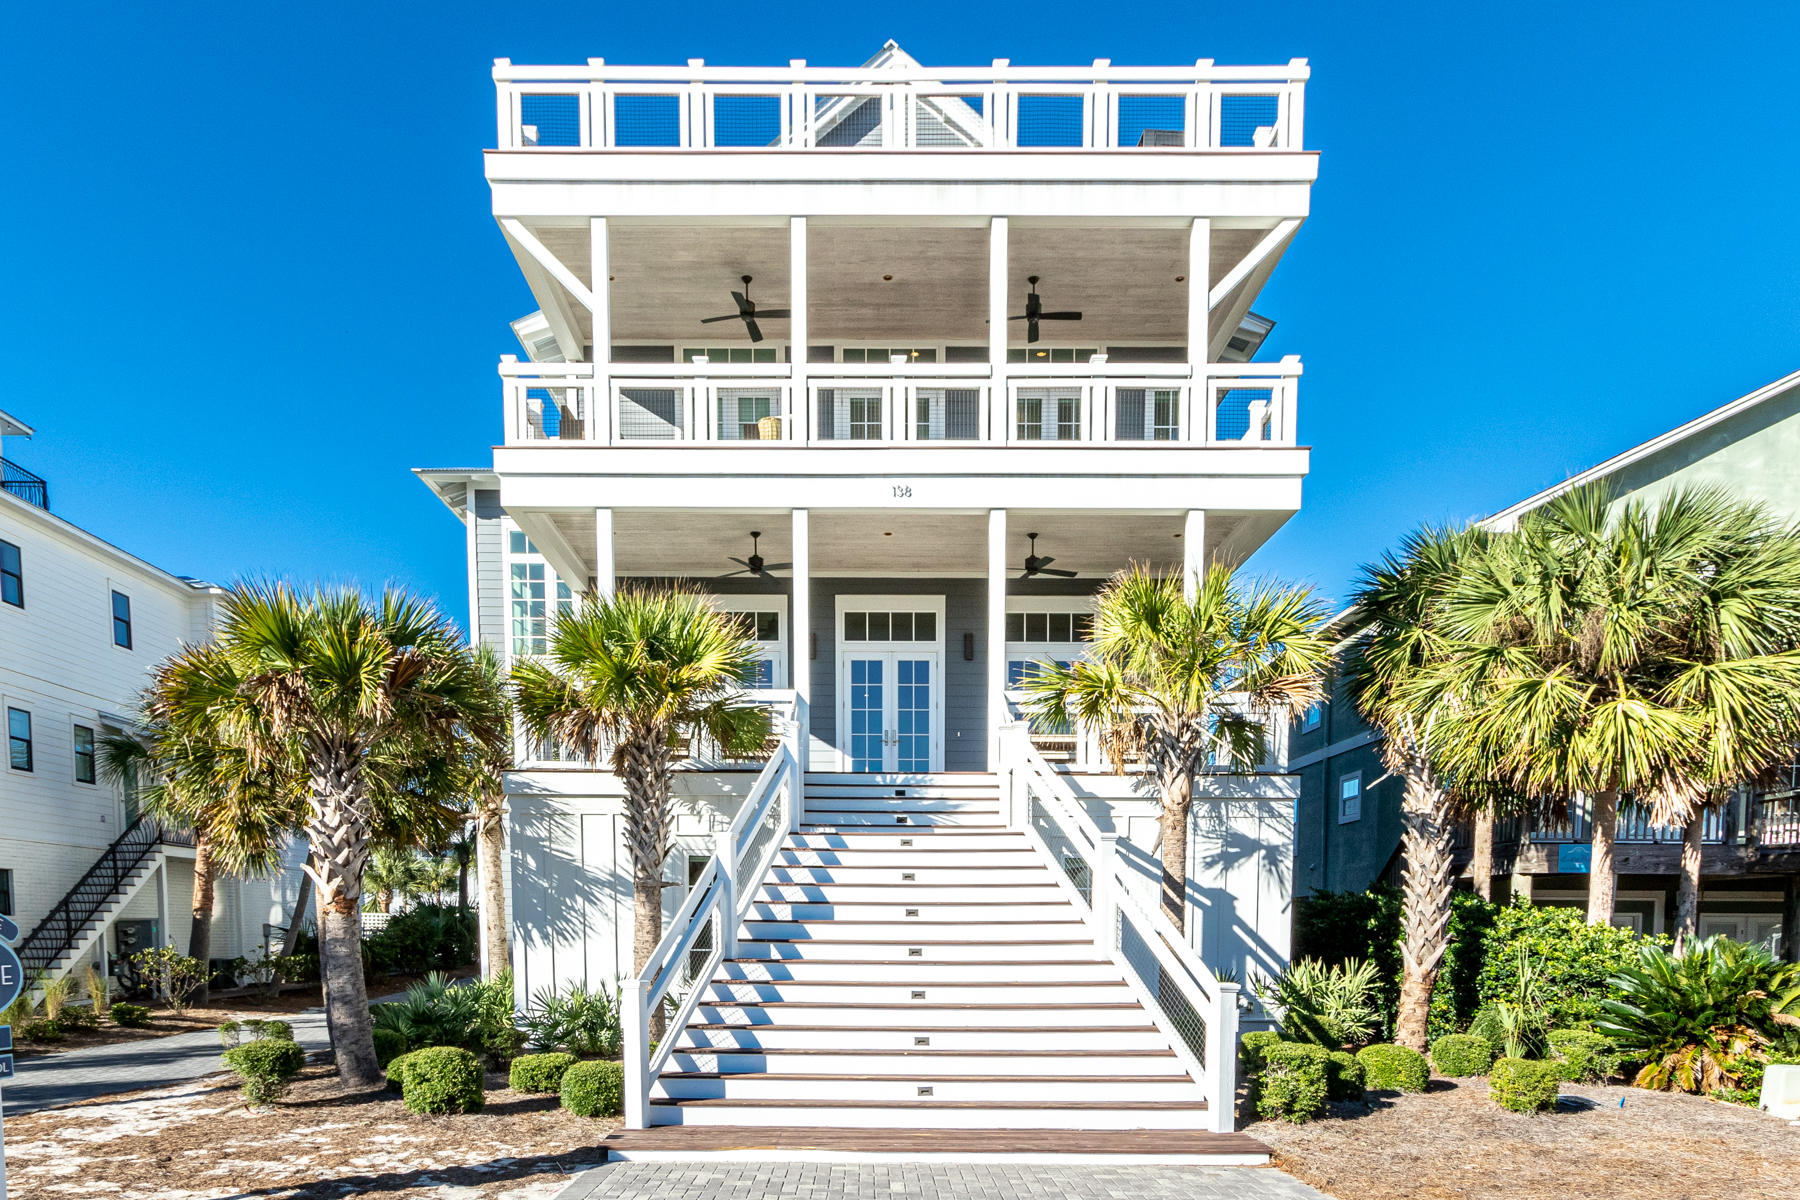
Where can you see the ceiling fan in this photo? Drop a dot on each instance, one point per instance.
(747, 312)
(1041, 566)
(754, 565)
(1034, 312)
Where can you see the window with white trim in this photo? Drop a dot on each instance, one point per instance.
(762, 619)
(1309, 720)
(731, 354)
(533, 583)
(1053, 629)
(1350, 798)
(861, 625)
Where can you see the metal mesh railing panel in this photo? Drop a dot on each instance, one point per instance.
(650, 413)
(555, 413)
(947, 414)
(1169, 997)
(1155, 116)
(1050, 121)
(761, 844)
(1241, 116)
(746, 120)
(646, 120)
(845, 121)
(1232, 422)
(1063, 849)
(949, 121)
(558, 118)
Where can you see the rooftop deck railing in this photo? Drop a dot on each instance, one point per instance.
(844, 404)
(23, 484)
(598, 106)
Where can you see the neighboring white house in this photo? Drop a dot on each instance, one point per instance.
(82, 625)
(902, 363)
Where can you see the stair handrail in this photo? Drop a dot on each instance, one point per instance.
(1113, 908)
(719, 900)
(58, 928)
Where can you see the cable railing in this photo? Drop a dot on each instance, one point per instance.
(1197, 107)
(704, 932)
(1195, 1009)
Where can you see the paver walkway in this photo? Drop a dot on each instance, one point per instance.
(929, 1181)
(76, 1075)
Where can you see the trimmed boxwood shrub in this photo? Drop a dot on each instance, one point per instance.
(279, 1030)
(1293, 1083)
(1390, 1068)
(594, 1089)
(1252, 1045)
(539, 1072)
(442, 1079)
(1461, 1054)
(40, 1031)
(396, 1073)
(1344, 1076)
(1523, 1085)
(131, 1016)
(266, 1066)
(389, 1045)
(1581, 1055)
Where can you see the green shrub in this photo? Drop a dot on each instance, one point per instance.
(1461, 1054)
(443, 1079)
(79, 1016)
(1293, 1083)
(175, 976)
(1488, 1027)
(1522, 1085)
(1344, 1076)
(1583, 1056)
(1393, 1068)
(430, 937)
(474, 1016)
(1330, 1006)
(539, 1072)
(1571, 960)
(276, 1030)
(266, 1066)
(580, 1021)
(594, 1089)
(396, 1072)
(45, 1030)
(1251, 1046)
(131, 1016)
(389, 1045)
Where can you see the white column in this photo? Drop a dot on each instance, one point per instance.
(600, 399)
(1198, 281)
(604, 574)
(799, 330)
(996, 632)
(1000, 415)
(1193, 551)
(800, 631)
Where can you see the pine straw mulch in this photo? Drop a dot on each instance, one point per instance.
(198, 1142)
(1453, 1141)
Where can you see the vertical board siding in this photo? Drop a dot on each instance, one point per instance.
(490, 571)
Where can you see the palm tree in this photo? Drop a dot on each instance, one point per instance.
(1395, 673)
(376, 701)
(627, 677)
(1188, 682)
(1644, 651)
(190, 774)
(396, 872)
(492, 761)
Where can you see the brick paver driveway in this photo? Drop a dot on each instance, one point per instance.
(930, 1181)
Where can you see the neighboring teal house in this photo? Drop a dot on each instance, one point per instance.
(1348, 817)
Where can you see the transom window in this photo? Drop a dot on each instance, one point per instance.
(1049, 626)
(1052, 354)
(890, 627)
(868, 354)
(532, 583)
(84, 754)
(121, 620)
(732, 354)
(12, 575)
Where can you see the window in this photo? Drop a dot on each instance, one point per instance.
(531, 582)
(18, 739)
(1052, 354)
(121, 608)
(731, 354)
(6, 892)
(1309, 721)
(12, 576)
(1049, 627)
(762, 626)
(84, 754)
(1046, 416)
(871, 354)
(1350, 798)
(865, 418)
(890, 627)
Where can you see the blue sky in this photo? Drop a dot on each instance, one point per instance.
(249, 278)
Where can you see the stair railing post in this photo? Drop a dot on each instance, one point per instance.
(1103, 891)
(1221, 1058)
(725, 854)
(796, 771)
(637, 1054)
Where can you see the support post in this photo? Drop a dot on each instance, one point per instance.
(637, 1054)
(1199, 275)
(1221, 1059)
(996, 633)
(800, 641)
(605, 581)
(1103, 894)
(999, 406)
(1193, 552)
(600, 413)
(725, 854)
(800, 425)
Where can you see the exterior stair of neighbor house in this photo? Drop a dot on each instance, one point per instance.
(71, 929)
(911, 962)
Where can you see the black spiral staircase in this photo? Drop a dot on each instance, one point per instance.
(57, 935)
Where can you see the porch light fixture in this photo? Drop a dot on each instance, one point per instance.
(1181, 279)
(968, 647)
(814, 645)
(887, 279)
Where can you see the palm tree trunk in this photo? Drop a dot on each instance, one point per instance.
(462, 886)
(341, 850)
(1687, 894)
(1602, 886)
(490, 849)
(643, 765)
(200, 932)
(297, 922)
(1481, 855)
(1425, 854)
(1177, 803)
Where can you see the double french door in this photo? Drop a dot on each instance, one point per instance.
(890, 711)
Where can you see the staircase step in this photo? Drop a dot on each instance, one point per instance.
(1023, 930)
(891, 970)
(914, 909)
(906, 992)
(834, 818)
(929, 1114)
(950, 1089)
(917, 1013)
(929, 1063)
(1043, 1037)
(934, 839)
(933, 948)
(1021, 871)
(919, 800)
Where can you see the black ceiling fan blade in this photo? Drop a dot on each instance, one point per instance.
(754, 328)
(1031, 330)
(744, 563)
(777, 566)
(743, 303)
(734, 574)
(1045, 561)
(1020, 317)
(1059, 316)
(775, 314)
(1057, 571)
(726, 317)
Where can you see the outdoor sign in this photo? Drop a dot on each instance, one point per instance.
(1574, 859)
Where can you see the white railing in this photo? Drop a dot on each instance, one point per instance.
(704, 931)
(763, 404)
(1196, 1010)
(1080, 749)
(698, 751)
(1002, 107)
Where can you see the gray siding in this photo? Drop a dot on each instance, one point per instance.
(490, 571)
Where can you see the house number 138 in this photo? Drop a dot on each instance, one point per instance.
(902, 491)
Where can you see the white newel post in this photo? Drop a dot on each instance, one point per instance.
(725, 854)
(996, 633)
(600, 396)
(605, 581)
(800, 641)
(1199, 281)
(1000, 405)
(1193, 552)
(1103, 891)
(637, 1054)
(1221, 1059)
(800, 401)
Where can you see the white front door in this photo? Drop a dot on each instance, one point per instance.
(890, 710)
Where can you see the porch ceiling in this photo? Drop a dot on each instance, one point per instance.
(665, 278)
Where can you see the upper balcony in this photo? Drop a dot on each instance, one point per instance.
(892, 103)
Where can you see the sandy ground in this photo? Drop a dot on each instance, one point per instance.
(199, 1142)
(1453, 1141)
